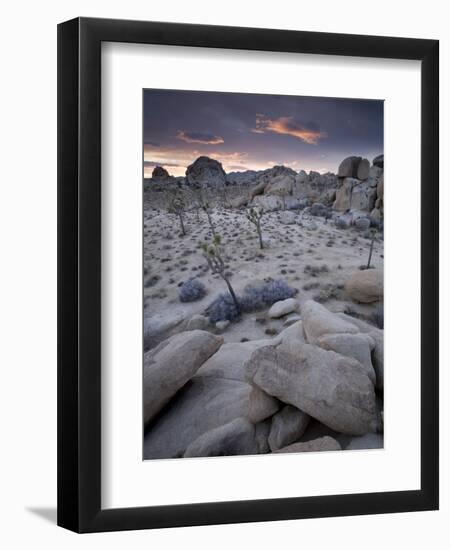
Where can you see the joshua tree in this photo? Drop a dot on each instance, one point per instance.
(176, 205)
(205, 207)
(373, 233)
(214, 257)
(254, 216)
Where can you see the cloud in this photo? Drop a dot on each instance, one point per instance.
(152, 164)
(289, 126)
(199, 137)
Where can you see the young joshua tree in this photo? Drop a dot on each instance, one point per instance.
(214, 257)
(177, 206)
(254, 216)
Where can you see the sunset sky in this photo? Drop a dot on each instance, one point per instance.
(256, 131)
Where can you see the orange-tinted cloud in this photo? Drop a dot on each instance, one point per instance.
(204, 138)
(287, 125)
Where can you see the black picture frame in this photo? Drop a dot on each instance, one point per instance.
(79, 274)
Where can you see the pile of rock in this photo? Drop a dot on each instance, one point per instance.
(358, 184)
(206, 398)
(206, 172)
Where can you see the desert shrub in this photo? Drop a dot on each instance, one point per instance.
(192, 290)
(222, 308)
(277, 290)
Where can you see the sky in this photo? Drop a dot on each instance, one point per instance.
(257, 131)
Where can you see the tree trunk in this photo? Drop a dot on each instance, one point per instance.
(260, 237)
(233, 295)
(370, 253)
(183, 231)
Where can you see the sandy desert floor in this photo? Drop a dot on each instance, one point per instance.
(312, 255)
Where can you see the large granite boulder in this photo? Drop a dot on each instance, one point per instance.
(268, 203)
(288, 425)
(378, 351)
(238, 437)
(229, 360)
(160, 173)
(365, 286)
(328, 386)
(349, 167)
(170, 365)
(344, 193)
(358, 346)
(378, 161)
(325, 443)
(363, 170)
(203, 404)
(318, 321)
(205, 172)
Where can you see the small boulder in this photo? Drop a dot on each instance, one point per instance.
(283, 307)
(197, 322)
(288, 425)
(325, 443)
(287, 217)
(365, 286)
(222, 325)
(362, 224)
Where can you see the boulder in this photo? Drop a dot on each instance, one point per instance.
(229, 360)
(280, 185)
(319, 209)
(203, 404)
(378, 351)
(238, 437)
(363, 170)
(362, 224)
(344, 194)
(318, 320)
(379, 161)
(325, 443)
(365, 286)
(349, 167)
(328, 386)
(358, 346)
(283, 307)
(268, 203)
(170, 365)
(293, 332)
(375, 216)
(160, 326)
(363, 197)
(197, 322)
(205, 172)
(287, 218)
(288, 425)
(160, 173)
(222, 325)
(291, 319)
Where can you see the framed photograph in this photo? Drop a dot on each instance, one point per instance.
(248, 275)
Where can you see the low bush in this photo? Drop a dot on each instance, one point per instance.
(192, 290)
(253, 299)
